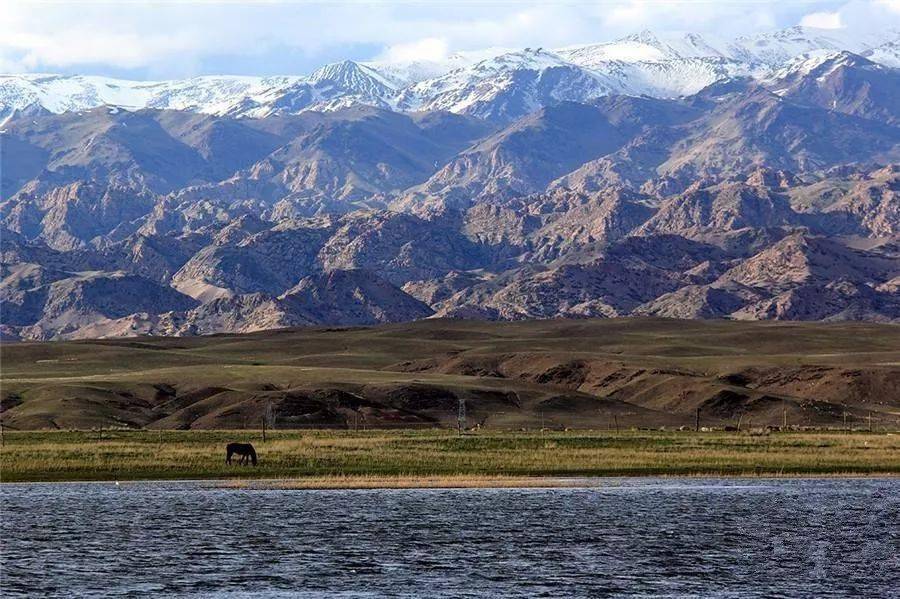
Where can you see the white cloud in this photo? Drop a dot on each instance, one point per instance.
(157, 38)
(822, 20)
(429, 48)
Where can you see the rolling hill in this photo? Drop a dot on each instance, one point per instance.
(564, 373)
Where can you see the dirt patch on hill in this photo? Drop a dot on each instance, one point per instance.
(570, 375)
(483, 398)
(170, 401)
(414, 397)
(736, 379)
(10, 400)
(573, 403)
(862, 387)
(725, 404)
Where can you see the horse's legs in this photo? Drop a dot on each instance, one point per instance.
(228, 458)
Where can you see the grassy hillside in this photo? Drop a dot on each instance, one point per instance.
(554, 374)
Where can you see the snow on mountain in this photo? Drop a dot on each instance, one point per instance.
(642, 47)
(493, 83)
(57, 93)
(354, 76)
(887, 54)
(809, 62)
(60, 94)
(331, 87)
(408, 72)
(774, 49)
(215, 95)
(660, 66)
(685, 76)
(510, 85)
(680, 64)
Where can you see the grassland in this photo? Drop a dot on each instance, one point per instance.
(585, 374)
(439, 458)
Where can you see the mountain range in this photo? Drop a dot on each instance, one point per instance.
(652, 176)
(498, 84)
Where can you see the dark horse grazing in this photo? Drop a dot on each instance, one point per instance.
(245, 450)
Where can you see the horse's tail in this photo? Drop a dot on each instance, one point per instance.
(253, 455)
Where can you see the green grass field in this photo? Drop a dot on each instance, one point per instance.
(318, 457)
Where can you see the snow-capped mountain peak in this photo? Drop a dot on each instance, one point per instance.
(642, 47)
(509, 85)
(353, 75)
(777, 48)
(819, 63)
(493, 83)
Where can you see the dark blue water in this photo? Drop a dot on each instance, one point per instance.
(711, 538)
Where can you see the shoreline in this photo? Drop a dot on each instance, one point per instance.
(431, 459)
(437, 482)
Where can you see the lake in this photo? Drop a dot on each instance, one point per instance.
(609, 537)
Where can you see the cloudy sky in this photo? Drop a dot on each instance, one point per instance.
(167, 39)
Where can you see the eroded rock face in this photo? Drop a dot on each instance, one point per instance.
(353, 297)
(269, 261)
(522, 158)
(725, 207)
(399, 247)
(873, 204)
(801, 259)
(602, 288)
(58, 305)
(693, 301)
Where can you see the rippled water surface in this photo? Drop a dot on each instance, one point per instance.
(611, 538)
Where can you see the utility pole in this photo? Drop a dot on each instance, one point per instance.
(697, 421)
(268, 419)
(784, 414)
(461, 417)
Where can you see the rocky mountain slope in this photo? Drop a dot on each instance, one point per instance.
(754, 198)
